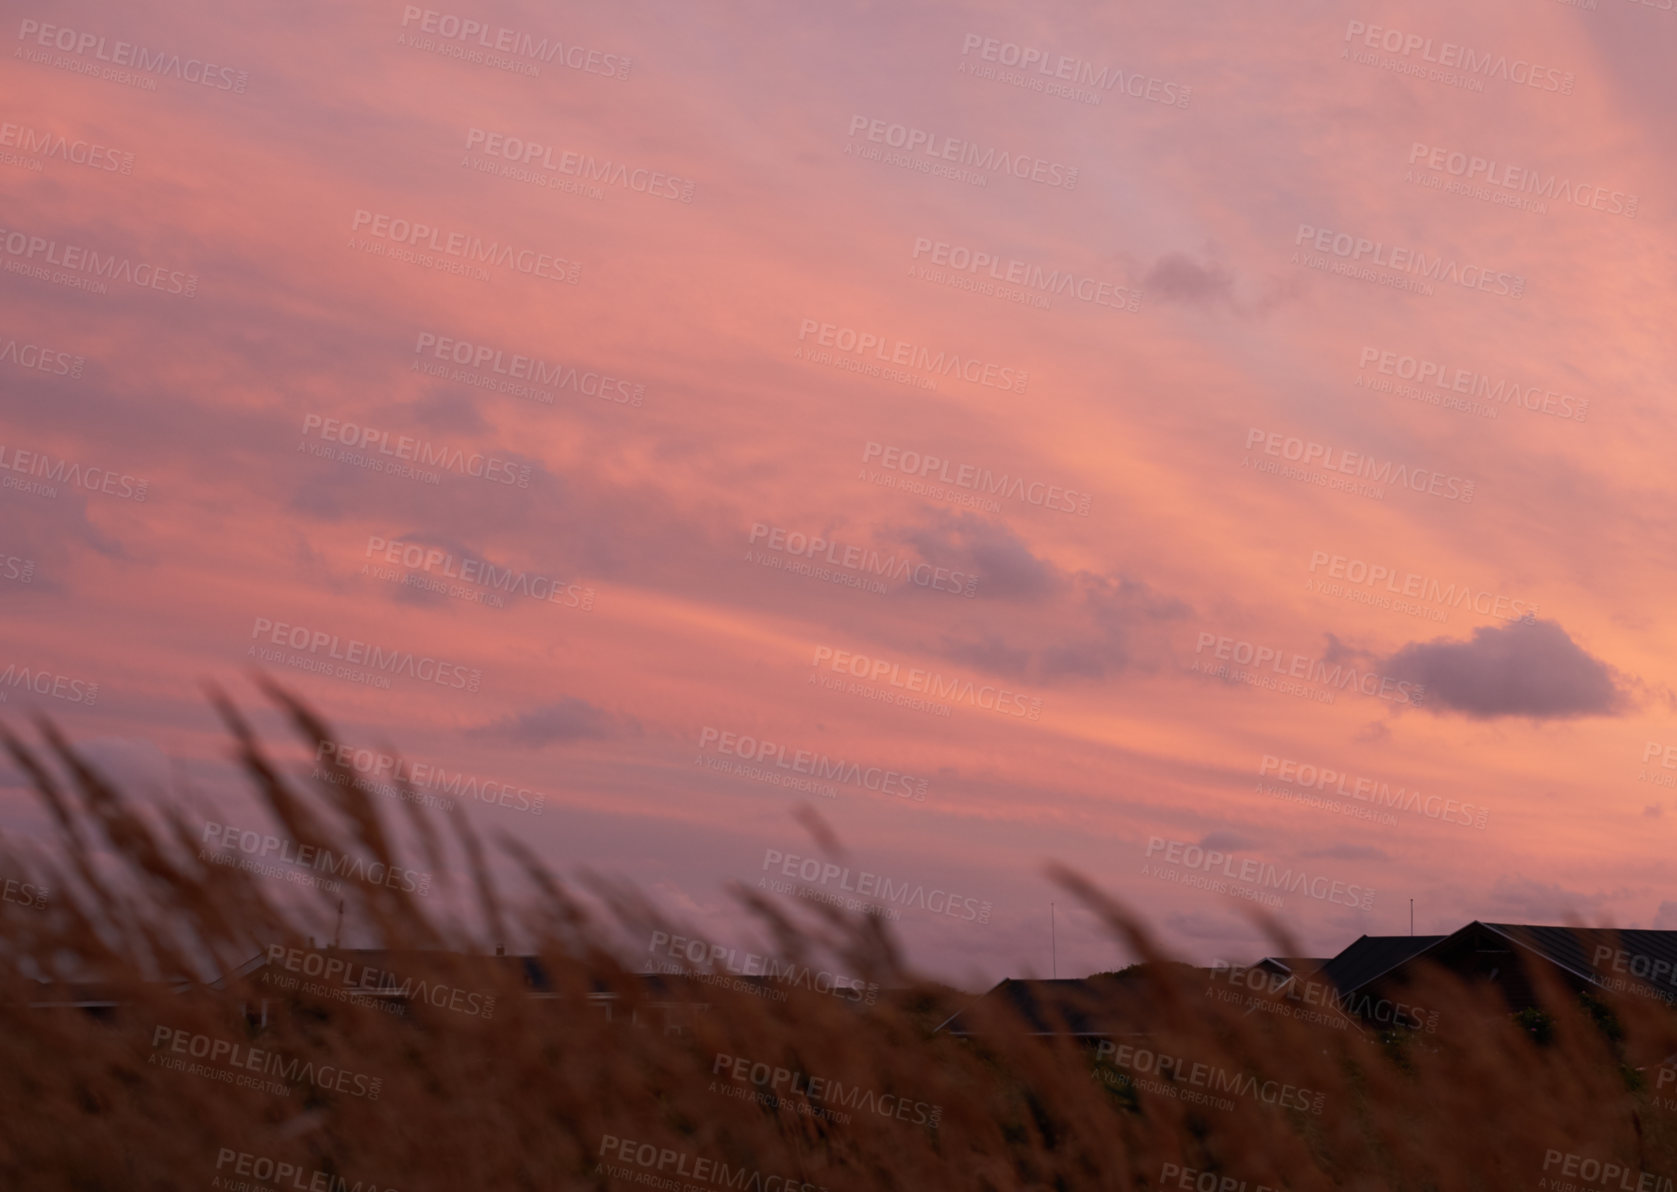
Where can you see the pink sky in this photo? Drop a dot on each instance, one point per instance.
(1278, 135)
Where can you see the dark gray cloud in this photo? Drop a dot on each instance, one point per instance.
(1099, 625)
(1082, 625)
(1374, 730)
(1177, 277)
(989, 653)
(443, 409)
(1351, 852)
(1524, 668)
(569, 719)
(989, 549)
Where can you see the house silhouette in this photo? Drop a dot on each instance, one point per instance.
(1372, 983)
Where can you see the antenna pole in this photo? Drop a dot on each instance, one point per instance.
(1411, 916)
(1053, 942)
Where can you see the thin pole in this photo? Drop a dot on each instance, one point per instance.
(1053, 942)
(1411, 916)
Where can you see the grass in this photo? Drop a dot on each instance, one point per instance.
(471, 1083)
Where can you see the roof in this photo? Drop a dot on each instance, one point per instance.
(386, 972)
(1046, 1007)
(376, 967)
(1630, 960)
(1101, 1006)
(1602, 955)
(1369, 957)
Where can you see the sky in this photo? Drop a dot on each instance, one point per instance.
(1222, 451)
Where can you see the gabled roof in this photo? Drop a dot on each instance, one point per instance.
(1369, 957)
(1102, 1006)
(1633, 960)
(1600, 954)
